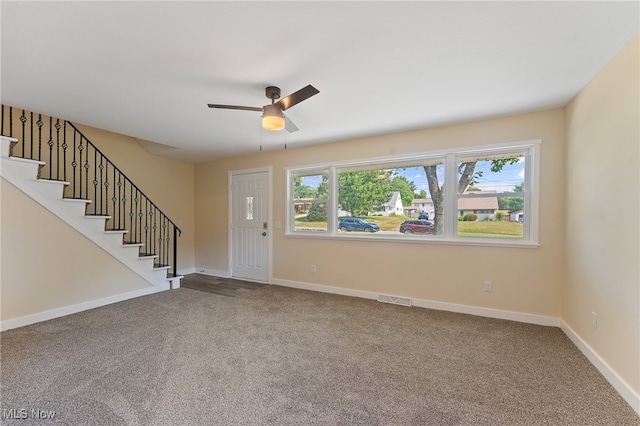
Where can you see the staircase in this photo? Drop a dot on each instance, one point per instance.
(82, 187)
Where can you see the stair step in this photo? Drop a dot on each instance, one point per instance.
(132, 244)
(54, 181)
(116, 231)
(76, 200)
(27, 161)
(147, 255)
(98, 222)
(74, 207)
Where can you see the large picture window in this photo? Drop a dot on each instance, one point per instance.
(479, 196)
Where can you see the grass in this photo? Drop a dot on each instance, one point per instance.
(302, 223)
(387, 223)
(392, 223)
(490, 229)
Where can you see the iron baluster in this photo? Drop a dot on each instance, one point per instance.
(124, 204)
(95, 180)
(131, 219)
(23, 119)
(146, 226)
(106, 188)
(80, 164)
(87, 166)
(114, 199)
(139, 219)
(50, 143)
(64, 151)
(40, 124)
(74, 163)
(58, 149)
(153, 231)
(175, 251)
(31, 133)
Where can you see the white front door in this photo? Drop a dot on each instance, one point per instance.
(250, 231)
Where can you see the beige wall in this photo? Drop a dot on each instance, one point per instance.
(524, 280)
(47, 265)
(602, 256)
(167, 182)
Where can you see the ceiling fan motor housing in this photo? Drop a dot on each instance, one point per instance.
(273, 92)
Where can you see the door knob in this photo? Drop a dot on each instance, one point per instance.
(264, 234)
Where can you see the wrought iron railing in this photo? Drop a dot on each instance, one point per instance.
(69, 156)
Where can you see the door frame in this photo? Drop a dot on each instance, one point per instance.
(230, 174)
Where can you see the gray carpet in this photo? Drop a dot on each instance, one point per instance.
(279, 356)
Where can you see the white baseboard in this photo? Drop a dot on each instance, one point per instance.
(429, 304)
(622, 387)
(488, 312)
(186, 271)
(73, 309)
(325, 289)
(212, 272)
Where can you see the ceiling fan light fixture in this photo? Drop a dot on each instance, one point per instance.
(272, 118)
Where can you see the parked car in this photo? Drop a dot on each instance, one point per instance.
(357, 224)
(416, 227)
(423, 215)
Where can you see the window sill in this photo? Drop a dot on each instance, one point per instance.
(468, 241)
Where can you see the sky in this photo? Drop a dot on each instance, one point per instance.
(505, 181)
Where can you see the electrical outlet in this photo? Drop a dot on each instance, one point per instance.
(594, 320)
(313, 269)
(487, 286)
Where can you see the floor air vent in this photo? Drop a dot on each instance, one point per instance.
(404, 301)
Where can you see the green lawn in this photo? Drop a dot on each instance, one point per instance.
(386, 223)
(392, 223)
(303, 224)
(490, 229)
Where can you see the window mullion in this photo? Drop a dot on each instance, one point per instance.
(450, 197)
(332, 203)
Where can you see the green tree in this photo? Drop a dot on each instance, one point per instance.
(468, 175)
(318, 211)
(365, 191)
(406, 189)
(302, 191)
(512, 203)
(421, 194)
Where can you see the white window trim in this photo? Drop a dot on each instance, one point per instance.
(531, 179)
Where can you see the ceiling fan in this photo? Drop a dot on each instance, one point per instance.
(273, 117)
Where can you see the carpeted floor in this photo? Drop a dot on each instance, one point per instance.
(280, 356)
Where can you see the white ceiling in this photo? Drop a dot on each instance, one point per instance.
(148, 69)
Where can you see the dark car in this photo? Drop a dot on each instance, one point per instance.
(416, 227)
(357, 224)
(423, 215)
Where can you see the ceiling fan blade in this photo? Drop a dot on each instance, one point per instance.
(297, 97)
(288, 124)
(244, 108)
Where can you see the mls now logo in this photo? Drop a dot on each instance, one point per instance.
(14, 413)
(42, 414)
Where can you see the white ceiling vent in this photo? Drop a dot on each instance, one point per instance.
(404, 301)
